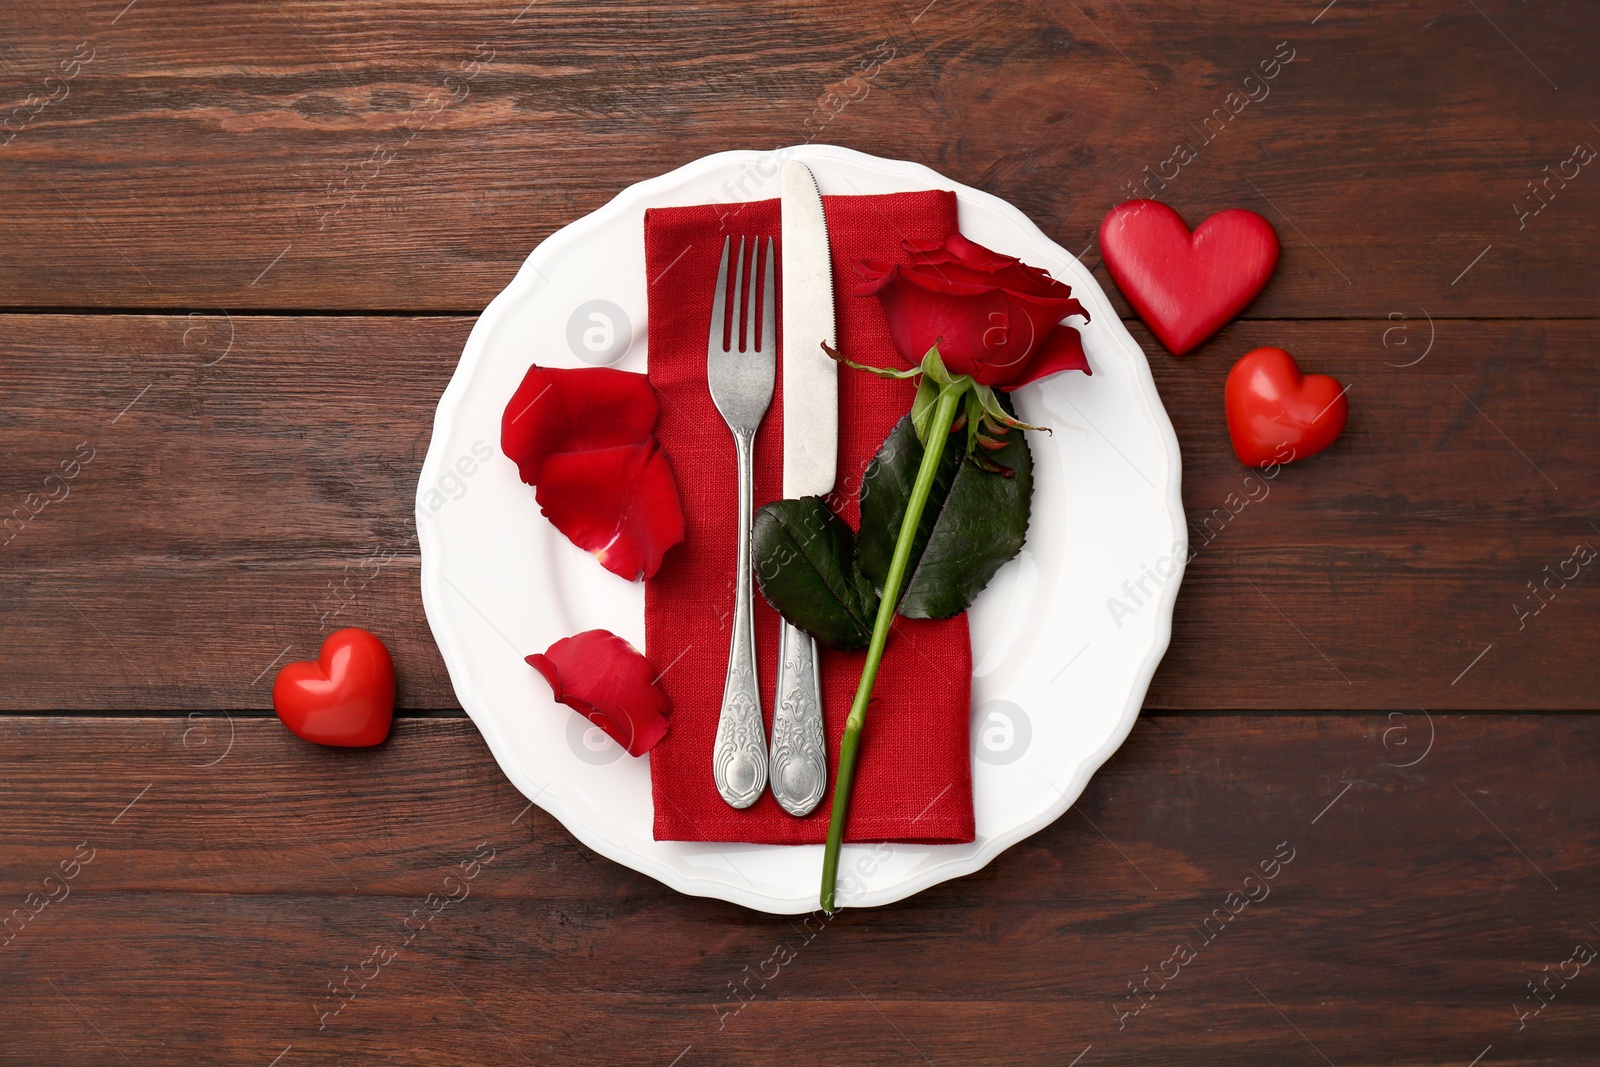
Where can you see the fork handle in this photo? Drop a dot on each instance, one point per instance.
(739, 762)
(799, 760)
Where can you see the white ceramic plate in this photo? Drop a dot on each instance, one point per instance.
(1059, 669)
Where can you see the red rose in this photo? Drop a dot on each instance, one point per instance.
(992, 316)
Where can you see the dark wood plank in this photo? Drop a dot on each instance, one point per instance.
(315, 155)
(221, 900)
(236, 502)
(1375, 574)
(239, 509)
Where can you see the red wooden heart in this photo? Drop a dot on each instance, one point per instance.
(345, 698)
(1276, 414)
(1186, 286)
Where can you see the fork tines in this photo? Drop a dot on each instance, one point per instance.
(725, 334)
(742, 388)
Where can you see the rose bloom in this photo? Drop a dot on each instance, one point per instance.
(992, 316)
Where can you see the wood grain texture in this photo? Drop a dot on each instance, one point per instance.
(216, 475)
(327, 155)
(238, 509)
(1403, 930)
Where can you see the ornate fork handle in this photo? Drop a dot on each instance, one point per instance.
(739, 764)
(799, 759)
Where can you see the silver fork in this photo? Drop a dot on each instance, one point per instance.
(741, 379)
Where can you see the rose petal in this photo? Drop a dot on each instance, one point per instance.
(619, 503)
(925, 249)
(1034, 321)
(970, 253)
(919, 317)
(951, 278)
(560, 410)
(874, 272)
(1062, 350)
(958, 258)
(606, 680)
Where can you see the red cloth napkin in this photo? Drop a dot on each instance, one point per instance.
(914, 778)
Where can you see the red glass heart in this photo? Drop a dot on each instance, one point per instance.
(344, 698)
(1276, 414)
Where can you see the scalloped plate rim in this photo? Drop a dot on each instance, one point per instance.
(552, 802)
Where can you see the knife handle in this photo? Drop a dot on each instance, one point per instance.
(799, 763)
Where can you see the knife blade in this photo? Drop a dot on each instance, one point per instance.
(810, 377)
(798, 759)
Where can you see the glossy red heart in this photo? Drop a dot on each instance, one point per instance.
(345, 698)
(1187, 286)
(1276, 414)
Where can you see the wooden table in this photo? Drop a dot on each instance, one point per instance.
(242, 248)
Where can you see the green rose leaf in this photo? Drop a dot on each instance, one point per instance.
(804, 558)
(974, 521)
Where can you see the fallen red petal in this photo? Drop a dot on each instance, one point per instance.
(619, 503)
(560, 410)
(606, 680)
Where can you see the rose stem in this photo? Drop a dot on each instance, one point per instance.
(938, 434)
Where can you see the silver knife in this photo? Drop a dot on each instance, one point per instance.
(799, 762)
